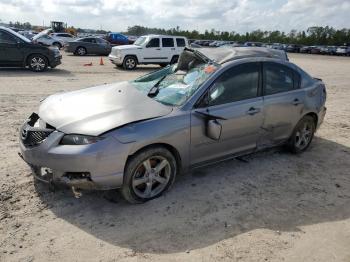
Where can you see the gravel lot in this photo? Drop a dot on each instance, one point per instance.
(276, 207)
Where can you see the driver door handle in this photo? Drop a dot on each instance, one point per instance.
(157, 48)
(252, 111)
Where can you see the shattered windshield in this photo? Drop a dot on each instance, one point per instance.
(175, 86)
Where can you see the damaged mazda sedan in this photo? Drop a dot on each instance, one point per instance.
(136, 136)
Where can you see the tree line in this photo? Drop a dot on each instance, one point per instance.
(316, 35)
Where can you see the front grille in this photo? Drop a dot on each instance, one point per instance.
(34, 138)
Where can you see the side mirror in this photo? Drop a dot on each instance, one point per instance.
(213, 129)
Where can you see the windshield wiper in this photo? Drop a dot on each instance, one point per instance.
(155, 89)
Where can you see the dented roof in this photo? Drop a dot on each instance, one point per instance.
(223, 55)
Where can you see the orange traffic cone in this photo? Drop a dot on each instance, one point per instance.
(89, 64)
(101, 61)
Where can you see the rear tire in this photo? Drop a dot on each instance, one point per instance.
(148, 175)
(302, 135)
(37, 63)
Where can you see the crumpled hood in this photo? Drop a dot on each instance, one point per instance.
(93, 111)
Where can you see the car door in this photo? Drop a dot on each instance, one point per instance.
(283, 101)
(233, 104)
(104, 46)
(153, 51)
(10, 49)
(168, 48)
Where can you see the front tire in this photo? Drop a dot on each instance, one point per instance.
(148, 175)
(37, 63)
(80, 51)
(129, 63)
(302, 135)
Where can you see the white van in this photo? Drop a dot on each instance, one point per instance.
(149, 49)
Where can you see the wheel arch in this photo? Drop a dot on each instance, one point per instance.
(169, 147)
(135, 56)
(314, 116)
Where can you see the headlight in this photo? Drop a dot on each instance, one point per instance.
(79, 140)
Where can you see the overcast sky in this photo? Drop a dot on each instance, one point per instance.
(232, 15)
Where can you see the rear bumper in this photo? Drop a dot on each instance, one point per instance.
(56, 61)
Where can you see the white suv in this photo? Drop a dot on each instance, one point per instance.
(150, 49)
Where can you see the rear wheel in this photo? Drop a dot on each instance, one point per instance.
(302, 135)
(37, 63)
(148, 175)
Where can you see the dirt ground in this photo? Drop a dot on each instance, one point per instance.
(276, 207)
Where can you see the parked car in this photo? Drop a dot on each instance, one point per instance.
(28, 34)
(305, 49)
(328, 50)
(118, 39)
(343, 50)
(44, 39)
(257, 44)
(88, 45)
(315, 49)
(18, 51)
(63, 37)
(293, 48)
(149, 49)
(139, 135)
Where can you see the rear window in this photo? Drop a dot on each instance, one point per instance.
(180, 42)
(168, 42)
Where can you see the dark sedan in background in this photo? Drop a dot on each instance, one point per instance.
(18, 51)
(88, 45)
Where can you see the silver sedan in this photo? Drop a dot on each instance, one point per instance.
(214, 104)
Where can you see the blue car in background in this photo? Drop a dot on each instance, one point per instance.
(118, 39)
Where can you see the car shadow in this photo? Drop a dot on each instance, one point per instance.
(17, 72)
(272, 189)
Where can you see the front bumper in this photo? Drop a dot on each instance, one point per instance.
(117, 60)
(94, 166)
(56, 61)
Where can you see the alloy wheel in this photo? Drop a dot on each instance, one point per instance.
(130, 63)
(151, 177)
(37, 63)
(303, 136)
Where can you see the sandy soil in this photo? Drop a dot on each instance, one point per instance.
(276, 207)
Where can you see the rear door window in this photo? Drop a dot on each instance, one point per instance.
(277, 78)
(180, 42)
(168, 42)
